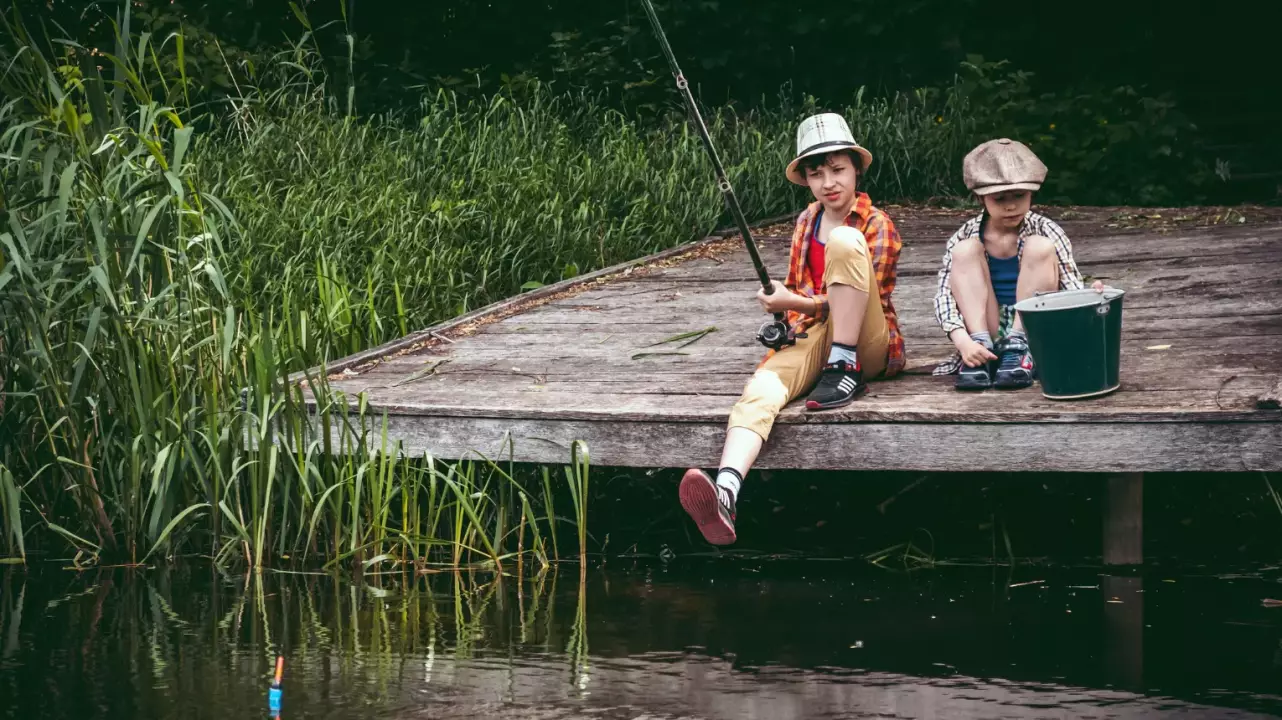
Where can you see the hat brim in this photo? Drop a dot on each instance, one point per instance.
(794, 170)
(994, 189)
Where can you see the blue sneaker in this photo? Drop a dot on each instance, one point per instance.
(1015, 368)
(976, 378)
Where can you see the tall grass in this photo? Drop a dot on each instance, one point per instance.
(363, 229)
(165, 264)
(134, 314)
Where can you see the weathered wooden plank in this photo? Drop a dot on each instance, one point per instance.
(621, 342)
(1124, 519)
(1218, 394)
(913, 264)
(622, 345)
(1136, 447)
(1134, 278)
(512, 303)
(1212, 292)
(923, 329)
(922, 255)
(1217, 389)
(1234, 402)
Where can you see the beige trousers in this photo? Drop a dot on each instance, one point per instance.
(795, 369)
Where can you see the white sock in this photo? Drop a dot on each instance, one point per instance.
(842, 352)
(730, 480)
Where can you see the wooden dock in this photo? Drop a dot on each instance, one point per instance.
(585, 360)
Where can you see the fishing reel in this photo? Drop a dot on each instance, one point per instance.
(776, 334)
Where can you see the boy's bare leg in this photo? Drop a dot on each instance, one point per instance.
(973, 288)
(1038, 271)
(846, 308)
(741, 450)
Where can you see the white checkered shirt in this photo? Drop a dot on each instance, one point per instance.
(946, 312)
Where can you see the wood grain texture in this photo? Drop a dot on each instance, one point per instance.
(1271, 399)
(1201, 362)
(1035, 447)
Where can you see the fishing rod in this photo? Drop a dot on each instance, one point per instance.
(774, 334)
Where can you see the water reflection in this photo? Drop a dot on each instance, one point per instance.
(784, 640)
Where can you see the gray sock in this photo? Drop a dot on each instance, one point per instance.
(842, 352)
(983, 338)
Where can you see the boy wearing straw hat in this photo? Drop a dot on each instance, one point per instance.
(841, 273)
(1006, 254)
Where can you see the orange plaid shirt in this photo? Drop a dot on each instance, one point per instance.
(884, 245)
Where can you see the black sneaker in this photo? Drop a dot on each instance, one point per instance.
(975, 378)
(709, 505)
(1015, 366)
(840, 383)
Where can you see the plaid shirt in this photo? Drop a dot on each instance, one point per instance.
(946, 312)
(884, 246)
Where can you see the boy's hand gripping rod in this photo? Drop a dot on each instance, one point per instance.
(774, 334)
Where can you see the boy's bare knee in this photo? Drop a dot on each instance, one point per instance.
(1039, 248)
(968, 251)
(846, 242)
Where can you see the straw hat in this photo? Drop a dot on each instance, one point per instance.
(1002, 164)
(820, 134)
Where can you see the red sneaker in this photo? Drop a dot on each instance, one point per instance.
(710, 506)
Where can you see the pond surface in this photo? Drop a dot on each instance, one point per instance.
(691, 639)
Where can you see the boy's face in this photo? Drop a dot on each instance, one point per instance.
(1007, 208)
(833, 182)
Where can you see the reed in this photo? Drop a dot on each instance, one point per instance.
(166, 263)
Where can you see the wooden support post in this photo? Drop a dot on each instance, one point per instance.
(1124, 631)
(1124, 519)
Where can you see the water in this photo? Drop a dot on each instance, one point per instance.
(691, 639)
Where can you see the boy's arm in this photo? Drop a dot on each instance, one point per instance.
(816, 306)
(1070, 278)
(946, 312)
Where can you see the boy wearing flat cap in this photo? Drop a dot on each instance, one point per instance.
(1006, 254)
(841, 273)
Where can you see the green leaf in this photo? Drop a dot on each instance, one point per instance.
(78, 542)
(164, 535)
(376, 560)
(143, 230)
(9, 502)
(531, 285)
(638, 356)
(301, 17)
(65, 183)
(176, 185)
(182, 139)
(692, 336)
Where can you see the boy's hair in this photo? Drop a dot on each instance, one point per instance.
(814, 161)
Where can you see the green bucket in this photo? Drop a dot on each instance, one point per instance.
(1075, 337)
